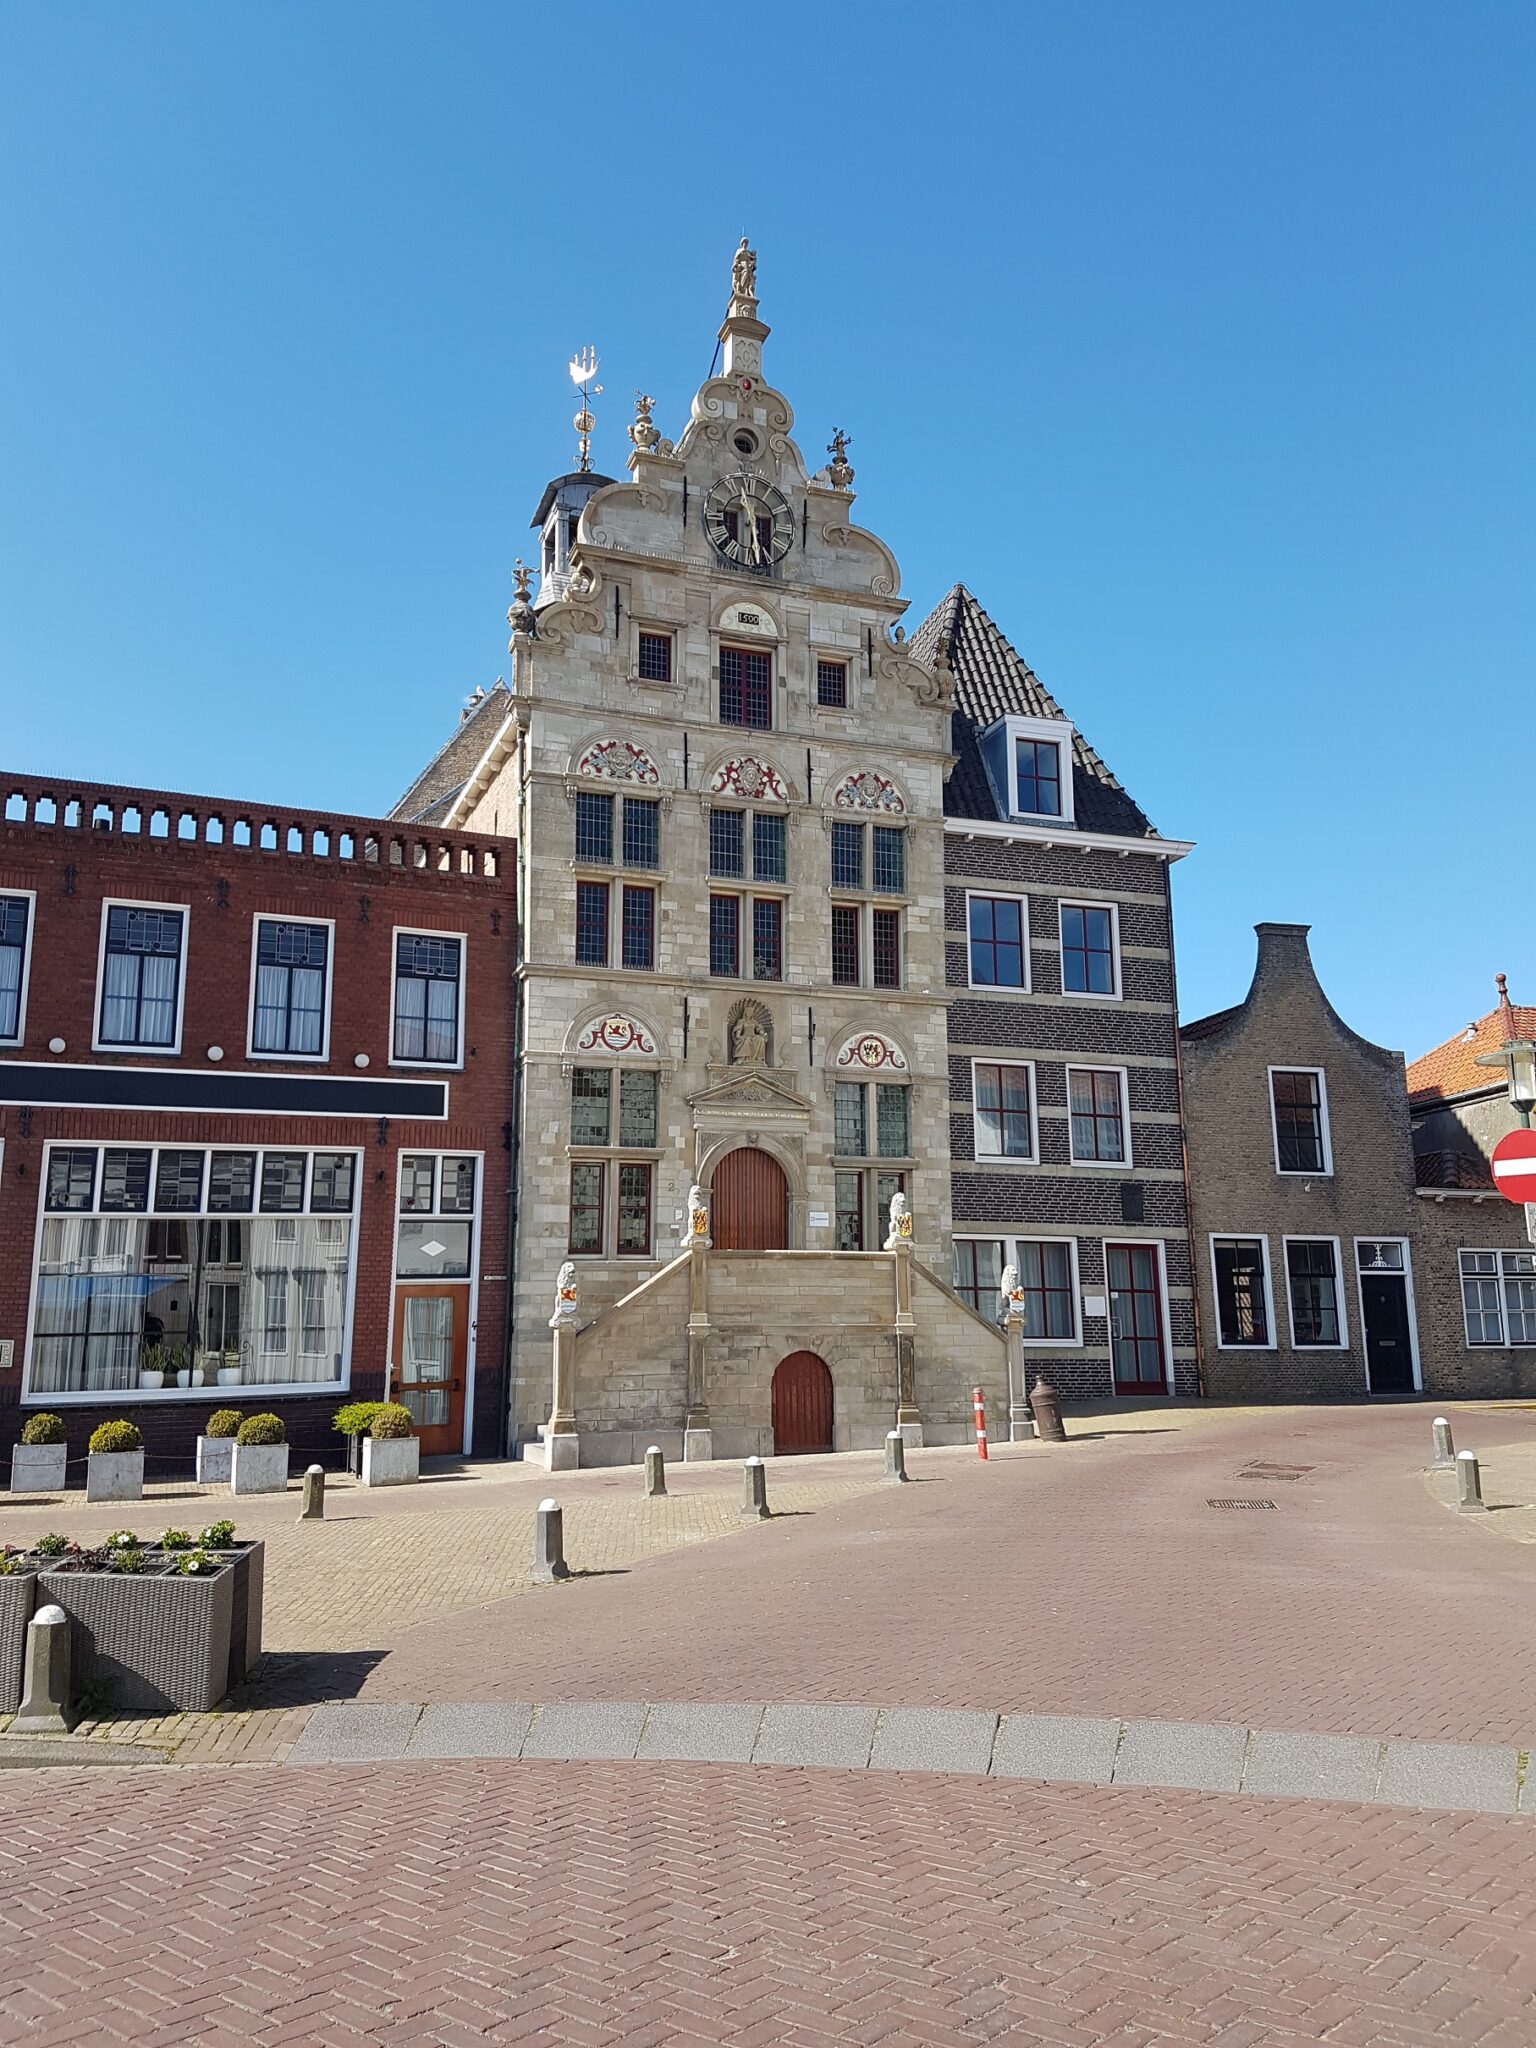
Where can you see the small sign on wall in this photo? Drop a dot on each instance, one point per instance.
(1095, 1305)
(7, 1353)
(819, 1219)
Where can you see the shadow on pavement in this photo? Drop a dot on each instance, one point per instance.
(305, 1678)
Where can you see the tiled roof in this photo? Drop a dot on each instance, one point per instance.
(1451, 1069)
(1207, 1027)
(427, 800)
(991, 680)
(1451, 1169)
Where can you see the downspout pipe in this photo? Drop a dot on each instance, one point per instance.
(1189, 1192)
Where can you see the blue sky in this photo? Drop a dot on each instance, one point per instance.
(1195, 338)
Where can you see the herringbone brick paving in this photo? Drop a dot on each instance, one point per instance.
(1091, 1579)
(649, 1904)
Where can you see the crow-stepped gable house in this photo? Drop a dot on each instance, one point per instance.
(779, 1022)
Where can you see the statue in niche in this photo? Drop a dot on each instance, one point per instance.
(749, 1035)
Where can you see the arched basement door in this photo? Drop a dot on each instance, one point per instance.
(750, 1205)
(802, 1404)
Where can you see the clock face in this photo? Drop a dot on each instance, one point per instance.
(749, 521)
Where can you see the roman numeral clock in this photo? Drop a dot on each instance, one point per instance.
(749, 521)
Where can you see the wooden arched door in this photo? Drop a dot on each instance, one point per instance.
(802, 1404)
(750, 1203)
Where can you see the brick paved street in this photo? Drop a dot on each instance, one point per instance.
(586, 1903)
(646, 1904)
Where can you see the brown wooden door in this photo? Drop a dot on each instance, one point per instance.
(802, 1404)
(751, 1203)
(431, 1349)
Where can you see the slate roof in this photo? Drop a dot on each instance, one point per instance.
(429, 797)
(1451, 1069)
(992, 679)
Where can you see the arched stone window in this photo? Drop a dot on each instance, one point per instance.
(872, 1148)
(614, 1070)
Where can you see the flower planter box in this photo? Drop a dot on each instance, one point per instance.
(213, 1458)
(391, 1460)
(18, 1592)
(114, 1475)
(159, 1641)
(258, 1468)
(38, 1468)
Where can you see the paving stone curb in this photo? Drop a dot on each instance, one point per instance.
(1461, 1777)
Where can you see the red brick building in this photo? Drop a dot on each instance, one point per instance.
(255, 1101)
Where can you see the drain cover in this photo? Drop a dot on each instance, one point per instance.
(1261, 1471)
(1239, 1503)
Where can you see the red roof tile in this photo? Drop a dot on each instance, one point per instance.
(1452, 1069)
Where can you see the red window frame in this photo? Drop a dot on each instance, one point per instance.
(591, 1247)
(633, 1174)
(845, 945)
(767, 939)
(637, 929)
(885, 947)
(592, 904)
(746, 688)
(1079, 955)
(1098, 1118)
(725, 936)
(992, 1097)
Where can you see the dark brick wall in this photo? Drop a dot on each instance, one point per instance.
(226, 886)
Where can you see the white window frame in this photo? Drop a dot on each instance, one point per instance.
(100, 1044)
(1015, 727)
(1413, 1314)
(1032, 1158)
(1261, 1238)
(1316, 1237)
(92, 1397)
(1325, 1171)
(1090, 995)
(1003, 988)
(422, 931)
(1498, 1253)
(311, 1059)
(1010, 1242)
(1123, 1075)
(29, 897)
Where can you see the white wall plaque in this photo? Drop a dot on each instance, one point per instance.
(1095, 1305)
(818, 1219)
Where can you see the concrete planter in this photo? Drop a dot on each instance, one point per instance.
(157, 1641)
(258, 1468)
(391, 1460)
(114, 1475)
(213, 1459)
(18, 1591)
(38, 1468)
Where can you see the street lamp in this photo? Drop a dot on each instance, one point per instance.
(1517, 1056)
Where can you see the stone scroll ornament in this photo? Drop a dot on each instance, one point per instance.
(567, 1297)
(619, 761)
(867, 791)
(751, 779)
(616, 1034)
(901, 1223)
(696, 1235)
(870, 1051)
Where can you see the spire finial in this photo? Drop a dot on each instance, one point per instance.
(1501, 983)
(839, 469)
(643, 433)
(583, 368)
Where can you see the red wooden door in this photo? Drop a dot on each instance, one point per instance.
(802, 1404)
(750, 1203)
(431, 1354)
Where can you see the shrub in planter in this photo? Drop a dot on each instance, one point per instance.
(52, 1544)
(353, 1422)
(260, 1460)
(216, 1446)
(217, 1536)
(153, 1361)
(124, 1539)
(391, 1449)
(37, 1462)
(115, 1468)
(175, 1539)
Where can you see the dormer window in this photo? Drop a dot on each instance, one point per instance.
(1029, 761)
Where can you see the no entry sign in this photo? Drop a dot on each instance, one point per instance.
(1514, 1166)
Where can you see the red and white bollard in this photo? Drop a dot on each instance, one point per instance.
(981, 1421)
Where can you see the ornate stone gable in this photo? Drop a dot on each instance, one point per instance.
(619, 761)
(870, 1052)
(865, 790)
(748, 777)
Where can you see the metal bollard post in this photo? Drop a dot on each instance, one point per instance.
(1046, 1409)
(754, 1496)
(895, 1456)
(1445, 1449)
(46, 1707)
(312, 1508)
(655, 1473)
(979, 1406)
(549, 1544)
(1469, 1485)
